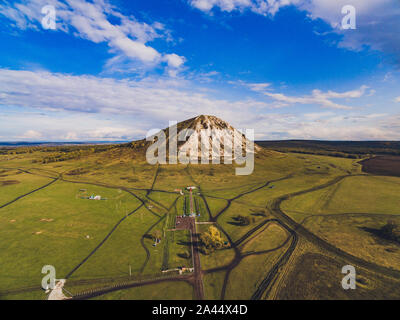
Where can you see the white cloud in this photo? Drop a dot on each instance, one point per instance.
(257, 87)
(174, 60)
(323, 99)
(325, 126)
(378, 21)
(397, 99)
(258, 6)
(31, 135)
(317, 97)
(91, 21)
(109, 133)
(65, 107)
(149, 98)
(71, 136)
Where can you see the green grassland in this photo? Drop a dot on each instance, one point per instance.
(246, 277)
(269, 237)
(228, 223)
(315, 276)
(14, 183)
(94, 243)
(346, 212)
(358, 194)
(163, 291)
(56, 220)
(213, 283)
(358, 231)
(177, 245)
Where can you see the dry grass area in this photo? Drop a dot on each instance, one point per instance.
(317, 276)
(268, 237)
(354, 234)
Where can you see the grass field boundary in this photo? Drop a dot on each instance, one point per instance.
(102, 242)
(29, 193)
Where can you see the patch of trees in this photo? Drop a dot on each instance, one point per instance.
(62, 157)
(140, 144)
(57, 149)
(14, 151)
(343, 149)
(211, 240)
(244, 220)
(390, 231)
(64, 153)
(77, 172)
(154, 236)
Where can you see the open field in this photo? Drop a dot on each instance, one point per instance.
(112, 243)
(316, 277)
(359, 230)
(166, 290)
(54, 220)
(15, 183)
(358, 194)
(247, 276)
(382, 165)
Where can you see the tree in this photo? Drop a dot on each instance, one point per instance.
(244, 220)
(211, 240)
(391, 231)
(157, 234)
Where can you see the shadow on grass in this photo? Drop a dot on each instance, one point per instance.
(379, 236)
(237, 224)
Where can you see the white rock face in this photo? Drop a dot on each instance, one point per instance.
(208, 138)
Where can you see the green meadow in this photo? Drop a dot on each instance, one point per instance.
(48, 218)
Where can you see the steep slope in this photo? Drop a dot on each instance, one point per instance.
(205, 137)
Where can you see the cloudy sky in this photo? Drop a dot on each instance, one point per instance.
(113, 69)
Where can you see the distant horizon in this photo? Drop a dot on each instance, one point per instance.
(33, 143)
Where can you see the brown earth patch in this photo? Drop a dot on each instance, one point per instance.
(382, 165)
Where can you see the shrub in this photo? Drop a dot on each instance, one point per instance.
(391, 231)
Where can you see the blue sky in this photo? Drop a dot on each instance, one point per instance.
(112, 70)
